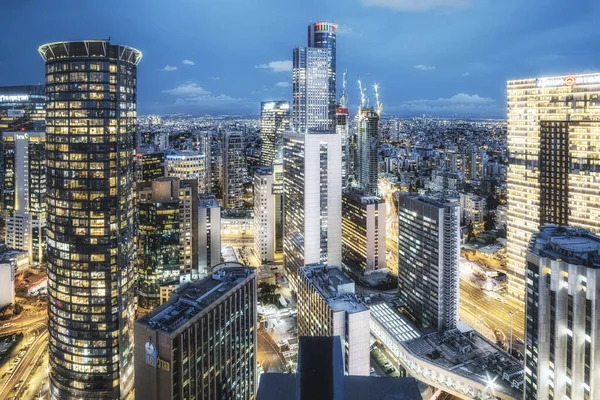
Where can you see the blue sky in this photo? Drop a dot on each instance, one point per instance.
(225, 56)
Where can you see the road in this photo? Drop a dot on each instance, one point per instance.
(495, 313)
(29, 321)
(269, 355)
(25, 367)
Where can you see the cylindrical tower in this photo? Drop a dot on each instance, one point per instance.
(91, 135)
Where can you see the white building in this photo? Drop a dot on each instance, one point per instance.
(428, 259)
(234, 170)
(562, 353)
(472, 207)
(187, 165)
(7, 283)
(327, 306)
(312, 183)
(209, 233)
(265, 212)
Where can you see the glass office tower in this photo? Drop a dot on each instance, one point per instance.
(554, 162)
(323, 35)
(274, 120)
(90, 134)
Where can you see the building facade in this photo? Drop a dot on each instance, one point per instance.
(7, 283)
(363, 232)
(150, 165)
(327, 306)
(91, 88)
(234, 170)
(188, 240)
(472, 208)
(367, 128)
(562, 348)
(312, 184)
(209, 233)
(268, 212)
(24, 193)
(554, 172)
(310, 85)
(201, 343)
(22, 108)
(188, 165)
(159, 232)
(323, 35)
(428, 259)
(274, 120)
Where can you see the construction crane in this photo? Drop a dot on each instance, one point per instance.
(363, 95)
(379, 103)
(344, 98)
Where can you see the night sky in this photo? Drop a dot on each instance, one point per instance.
(438, 57)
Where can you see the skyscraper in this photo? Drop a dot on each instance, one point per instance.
(311, 109)
(274, 120)
(90, 133)
(150, 165)
(553, 173)
(264, 214)
(367, 127)
(202, 343)
(363, 232)
(428, 257)
(234, 169)
(188, 165)
(209, 233)
(327, 306)
(22, 108)
(24, 194)
(342, 117)
(562, 332)
(323, 35)
(312, 183)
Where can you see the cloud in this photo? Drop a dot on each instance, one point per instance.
(187, 89)
(189, 93)
(466, 74)
(422, 67)
(169, 68)
(417, 5)
(188, 62)
(277, 66)
(215, 78)
(461, 103)
(283, 84)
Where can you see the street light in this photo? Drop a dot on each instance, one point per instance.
(511, 329)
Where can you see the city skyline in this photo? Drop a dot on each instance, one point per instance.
(422, 68)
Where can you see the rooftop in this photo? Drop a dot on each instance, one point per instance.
(334, 286)
(574, 245)
(395, 323)
(207, 201)
(192, 298)
(183, 155)
(359, 197)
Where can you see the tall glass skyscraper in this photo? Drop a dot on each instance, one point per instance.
(323, 35)
(367, 127)
(91, 135)
(274, 120)
(554, 162)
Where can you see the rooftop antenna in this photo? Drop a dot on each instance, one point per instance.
(379, 103)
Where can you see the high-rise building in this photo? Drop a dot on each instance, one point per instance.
(91, 254)
(472, 208)
(150, 165)
(312, 185)
(363, 232)
(327, 306)
(22, 108)
(342, 115)
(264, 214)
(367, 127)
(311, 109)
(209, 233)
(278, 193)
(188, 240)
(562, 330)
(201, 343)
(159, 234)
(188, 165)
(274, 120)
(428, 259)
(24, 194)
(7, 282)
(234, 170)
(553, 173)
(323, 35)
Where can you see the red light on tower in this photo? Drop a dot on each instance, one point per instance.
(570, 81)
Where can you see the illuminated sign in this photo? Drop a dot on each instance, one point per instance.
(11, 98)
(569, 81)
(22, 137)
(152, 358)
